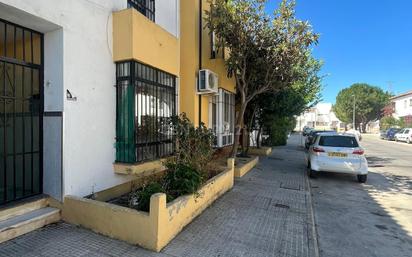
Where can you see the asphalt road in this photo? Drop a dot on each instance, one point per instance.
(372, 219)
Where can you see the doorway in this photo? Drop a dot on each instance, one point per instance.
(21, 112)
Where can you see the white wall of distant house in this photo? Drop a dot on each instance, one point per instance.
(78, 58)
(403, 106)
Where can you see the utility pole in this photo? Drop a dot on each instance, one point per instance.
(354, 112)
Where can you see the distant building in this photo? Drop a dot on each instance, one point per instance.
(319, 117)
(403, 105)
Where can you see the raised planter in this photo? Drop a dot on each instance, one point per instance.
(153, 230)
(140, 169)
(244, 165)
(262, 151)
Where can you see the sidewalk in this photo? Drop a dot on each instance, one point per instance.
(267, 213)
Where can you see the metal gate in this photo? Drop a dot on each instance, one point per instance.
(21, 112)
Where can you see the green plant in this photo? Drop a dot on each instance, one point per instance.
(266, 50)
(389, 122)
(181, 179)
(368, 102)
(143, 196)
(194, 145)
(278, 129)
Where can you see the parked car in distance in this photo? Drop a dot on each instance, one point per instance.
(306, 131)
(312, 135)
(389, 134)
(356, 133)
(340, 153)
(404, 135)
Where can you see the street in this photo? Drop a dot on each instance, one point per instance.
(372, 219)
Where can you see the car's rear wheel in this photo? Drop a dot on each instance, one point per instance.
(311, 173)
(362, 178)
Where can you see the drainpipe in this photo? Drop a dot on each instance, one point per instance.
(200, 57)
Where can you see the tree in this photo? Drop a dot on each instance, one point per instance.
(369, 101)
(269, 109)
(264, 50)
(388, 122)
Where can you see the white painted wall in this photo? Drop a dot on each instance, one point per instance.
(167, 15)
(403, 106)
(78, 57)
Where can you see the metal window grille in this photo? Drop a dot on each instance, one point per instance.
(145, 7)
(146, 98)
(21, 112)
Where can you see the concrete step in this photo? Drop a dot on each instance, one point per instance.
(27, 222)
(23, 207)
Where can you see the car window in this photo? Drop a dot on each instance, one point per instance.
(338, 141)
(407, 131)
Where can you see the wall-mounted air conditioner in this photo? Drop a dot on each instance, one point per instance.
(208, 82)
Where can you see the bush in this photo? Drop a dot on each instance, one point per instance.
(181, 179)
(186, 170)
(144, 195)
(278, 131)
(194, 145)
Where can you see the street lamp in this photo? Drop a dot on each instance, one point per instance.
(354, 112)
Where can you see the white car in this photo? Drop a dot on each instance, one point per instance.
(339, 153)
(404, 135)
(356, 133)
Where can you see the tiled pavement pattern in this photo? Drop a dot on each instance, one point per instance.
(265, 214)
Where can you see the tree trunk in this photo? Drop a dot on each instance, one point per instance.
(238, 127)
(364, 127)
(258, 136)
(246, 134)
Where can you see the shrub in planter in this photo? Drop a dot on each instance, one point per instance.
(186, 170)
(181, 179)
(143, 196)
(194, 145)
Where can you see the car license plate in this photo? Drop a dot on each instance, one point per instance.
(335, 154)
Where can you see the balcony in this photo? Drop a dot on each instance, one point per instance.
(136, 37)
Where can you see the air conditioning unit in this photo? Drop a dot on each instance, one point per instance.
(208, 82)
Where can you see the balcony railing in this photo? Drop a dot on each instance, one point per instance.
(145, 7)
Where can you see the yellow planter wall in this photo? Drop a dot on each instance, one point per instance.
(244, 165)
(136, 37)
(153, 230)
(262, 151)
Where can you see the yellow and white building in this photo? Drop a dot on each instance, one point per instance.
(85, 86)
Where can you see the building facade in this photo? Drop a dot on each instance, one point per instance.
(320, 117)
(86, 85)
(402, 105)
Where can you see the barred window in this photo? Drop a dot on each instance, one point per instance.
(146, 98)
(145, 7)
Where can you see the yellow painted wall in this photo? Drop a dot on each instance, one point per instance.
(189, 59)
(217, 65)
(189, 62)
(136, 37)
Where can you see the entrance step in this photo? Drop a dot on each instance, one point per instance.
(21, 208)
(21, 219)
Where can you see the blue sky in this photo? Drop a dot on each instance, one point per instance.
(361, 41)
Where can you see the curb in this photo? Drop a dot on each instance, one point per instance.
(312, 232)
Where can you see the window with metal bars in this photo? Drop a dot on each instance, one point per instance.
(146, 99)
(145, 7)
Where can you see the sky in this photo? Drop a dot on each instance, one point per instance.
(365, 41)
